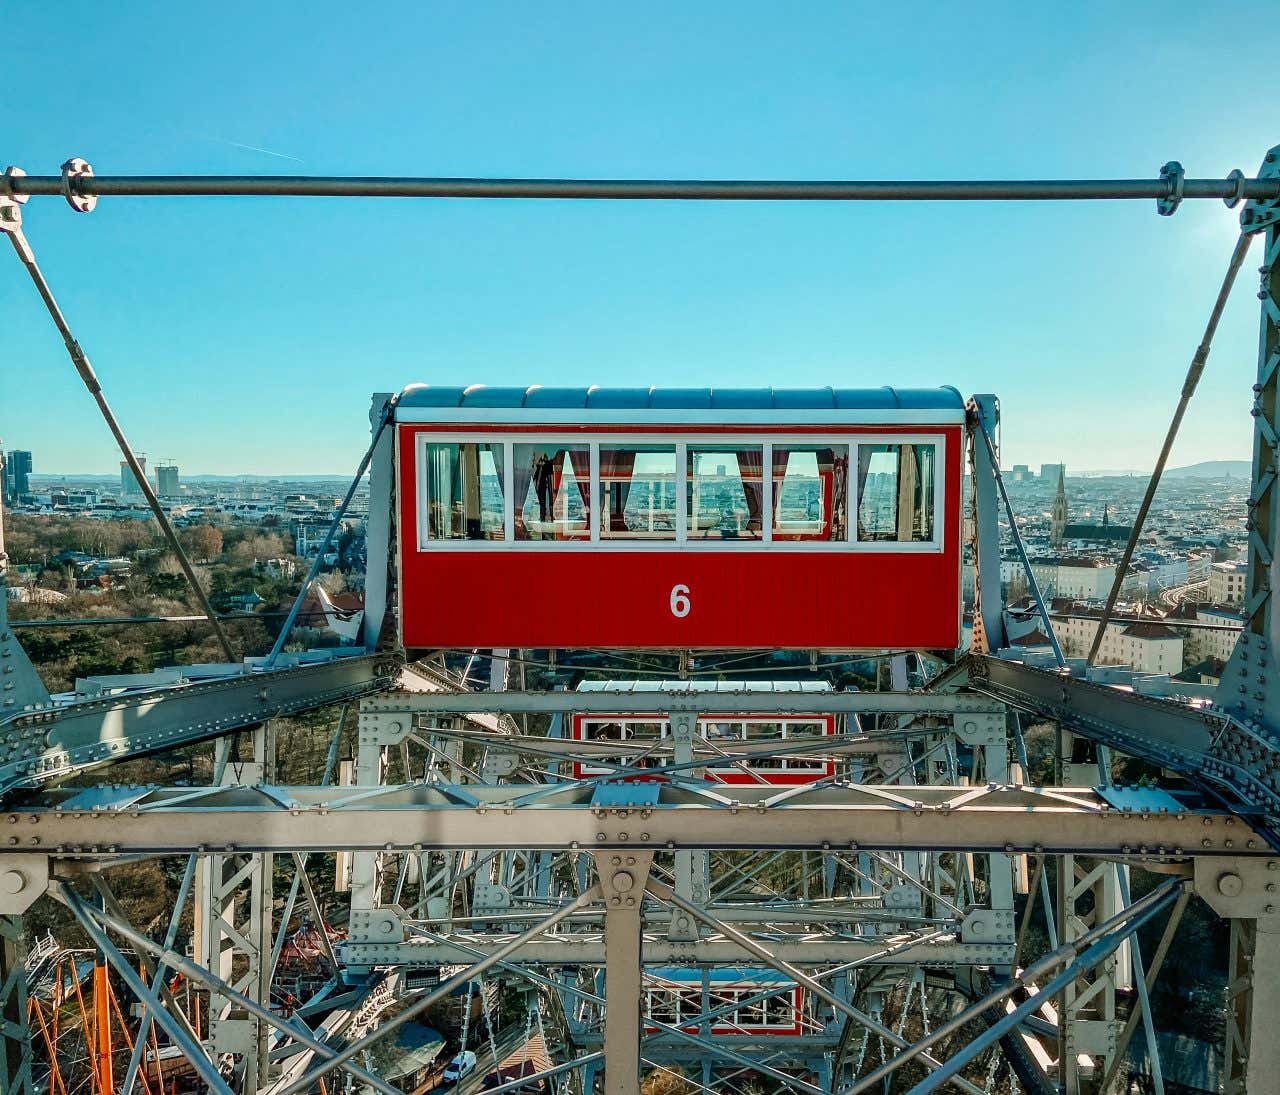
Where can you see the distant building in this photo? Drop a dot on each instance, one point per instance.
(1077, 578)
(1050, 473)
(1058, 516)
(1215, 637)
(128, 483)
(1060, 531)
(1021, 473)
(1226, 583)
(17, 475)
(1145, 644)
(167, 480)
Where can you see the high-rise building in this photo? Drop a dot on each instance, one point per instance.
(17, 475)
(167, 480)
(1051, 473)
(128, 483)
(1021, 473)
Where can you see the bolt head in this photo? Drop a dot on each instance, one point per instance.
(13, 882)
(1230, 884)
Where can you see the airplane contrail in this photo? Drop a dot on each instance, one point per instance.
(255, 148)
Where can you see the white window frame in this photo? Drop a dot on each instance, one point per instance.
(681, 542)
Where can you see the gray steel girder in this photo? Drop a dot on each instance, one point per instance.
(103, 822)
(44, 745)
(1184, 739)
(569, 949)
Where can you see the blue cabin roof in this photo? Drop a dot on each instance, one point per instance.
(688, 399)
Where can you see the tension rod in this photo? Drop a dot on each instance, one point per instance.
(1189, 384)
(11, 225)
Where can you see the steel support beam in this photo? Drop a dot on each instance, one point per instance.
(577, 949)
(198, 703)
(988, 609)
(623, 877)
(102, 823)
(15, 1057)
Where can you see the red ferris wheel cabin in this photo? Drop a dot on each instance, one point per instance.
(686, 518)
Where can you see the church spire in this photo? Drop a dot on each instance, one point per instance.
(1058, 520)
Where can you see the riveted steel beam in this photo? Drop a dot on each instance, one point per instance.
(43, 745)
(103, 822)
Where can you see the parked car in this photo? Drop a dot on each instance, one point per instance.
(459, 1067)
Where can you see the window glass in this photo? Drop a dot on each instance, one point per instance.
(662, 1006)
(804, 730)
(724, 496)
(552, 485)
(810, 487)
(721, 731)
(464, 491)
(895, 492)
(637, 497)
(759, 731)
(779, 1010)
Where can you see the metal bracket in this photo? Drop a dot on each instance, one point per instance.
(498, 763)
(988, 926)
(1260, 214)
(23, 879)
(381, 925)
(1176, 176)
(11, 217)
(1244, 887)
(73, 172)
(376, 728)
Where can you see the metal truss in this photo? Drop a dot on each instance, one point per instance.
(133, 716)
(471, 851)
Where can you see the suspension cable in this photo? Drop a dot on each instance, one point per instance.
(1194, 370)
(78, 358)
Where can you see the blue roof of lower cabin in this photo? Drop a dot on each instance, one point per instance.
(731, 399)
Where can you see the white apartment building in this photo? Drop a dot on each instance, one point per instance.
(1145, 645)
(1226, 583)
(1214, 643)
(1085, 579)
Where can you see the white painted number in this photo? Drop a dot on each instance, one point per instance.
(680, 601)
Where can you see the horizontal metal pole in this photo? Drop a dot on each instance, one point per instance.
(571, 949)
(337, 186)
(643, 701)
(418, 817)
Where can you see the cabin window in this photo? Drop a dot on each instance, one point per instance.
(896, 492)
(724, 492)
(551, 485)
(757, 733)
(809, 492)
(637, 492)
(465, 491)
(779, 1010)
(663, 1006)
(797, 763)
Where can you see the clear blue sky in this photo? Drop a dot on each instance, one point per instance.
(245, 335)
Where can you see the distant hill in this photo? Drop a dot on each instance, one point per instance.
(1211, 469)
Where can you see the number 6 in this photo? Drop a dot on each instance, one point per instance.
(680, 601)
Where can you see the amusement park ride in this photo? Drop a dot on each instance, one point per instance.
(762, 878)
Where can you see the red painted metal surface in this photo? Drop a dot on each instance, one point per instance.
(584, 595)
